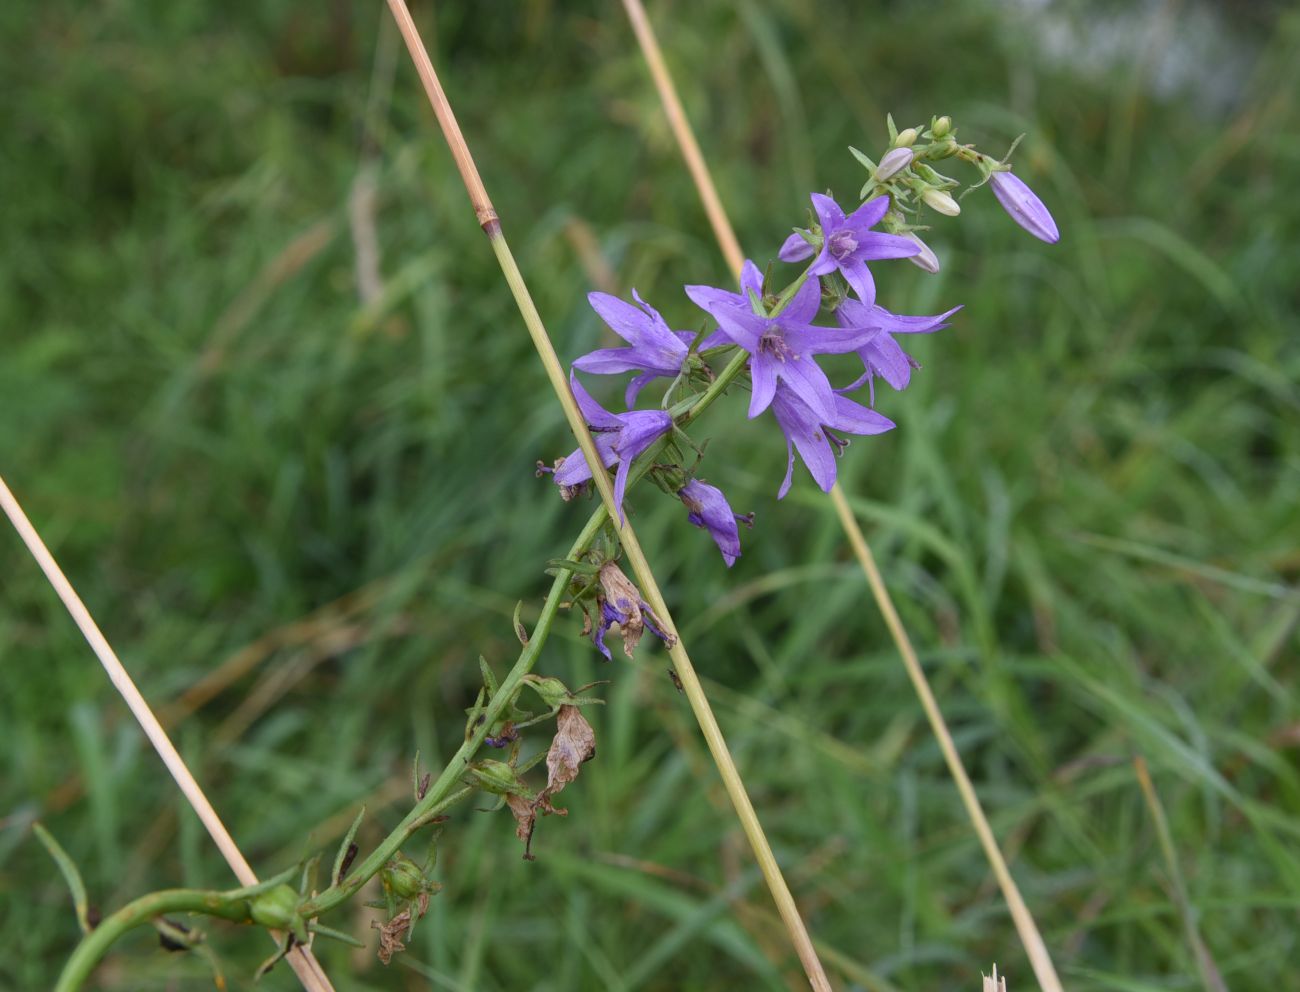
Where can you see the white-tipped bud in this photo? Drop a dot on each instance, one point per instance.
(927, 260)
(941, 127)
(906, 138)
(940, 202)
(895, 161)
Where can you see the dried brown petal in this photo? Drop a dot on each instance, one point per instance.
(391, 934)
(525, 819)
(574, 743)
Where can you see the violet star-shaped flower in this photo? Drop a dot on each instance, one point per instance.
(882, 356)
(619, 437)
(1025, 208)
(655, 349)
(781, 348)
(811, 435)
(708, 508)
(848, 243)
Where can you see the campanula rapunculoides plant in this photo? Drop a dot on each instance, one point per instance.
(766, 337)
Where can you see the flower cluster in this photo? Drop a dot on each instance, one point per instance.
(781, 338)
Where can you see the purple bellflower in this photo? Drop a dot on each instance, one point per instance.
(1025, 208)
(619, 437)
(655, 349)
(812, 435)
(781, 348)
(848, 243)
(709, 509)
(882, 356)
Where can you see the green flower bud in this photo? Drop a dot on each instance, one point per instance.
(275, 908)
(906, 138)
(498, 778)
(941, 127)
(403, 877)
(941, 202)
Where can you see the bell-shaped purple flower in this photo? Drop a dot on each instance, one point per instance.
(654, 348)
(848, 243)
(882, 356)
(709, 509)
(781, 348)
(1025, 208)
(620, 438)
(813, 435)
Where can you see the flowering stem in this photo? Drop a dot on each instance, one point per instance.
(631, 546)
(1030, 937)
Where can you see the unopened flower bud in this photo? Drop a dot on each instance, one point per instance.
(906, 138)
(403, 877)
(927, 259)
(497, 777)
(894, 162)
(941, 127)
(1025, 208)
(939, 201)
(276, 908)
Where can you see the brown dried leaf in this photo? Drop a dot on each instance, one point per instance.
(525, 819)
(391, 933)
(574, 743)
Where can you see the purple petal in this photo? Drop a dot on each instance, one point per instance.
(857, 419)
(830, 340)
(1025, 208)
(709, 509)
(872, 246)
(575, 469)
(803, 308)
(641, 428)
(762, 373)
(870, 213)
(859, 278)
(884, 357)
(715, 340)
(622, 318)
(789, 471)
(711, 300)
(608, 361)
(794, 249)
(802, 427)
(635, 386)
(750, 279)
(804, 378)
(828, 212)
(743, 328)
(597, 416)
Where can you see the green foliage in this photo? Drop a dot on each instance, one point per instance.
(1087, 517)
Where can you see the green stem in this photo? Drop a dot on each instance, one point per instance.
(232, 905)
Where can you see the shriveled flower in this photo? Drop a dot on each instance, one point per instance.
(882, 356)
(812, 435)
(619, 437)
(655, 349)
(1025, 208)
(709, 509)
(848, 243)
(782, 347)
(621, 603)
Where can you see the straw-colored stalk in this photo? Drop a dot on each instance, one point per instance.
(488, 220)
(1035, 948)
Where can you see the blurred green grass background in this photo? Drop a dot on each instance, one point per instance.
(301, 514)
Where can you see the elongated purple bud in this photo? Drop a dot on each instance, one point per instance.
(927, 259)
(1025, 208)
(894, 162)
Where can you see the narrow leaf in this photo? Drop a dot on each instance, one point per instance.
(347, 849)
(70, 873)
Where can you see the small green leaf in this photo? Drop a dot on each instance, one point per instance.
(861, 157)
(332, 934)
(70, 874)
(521, 631)
(347, 849)
(489, 679)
